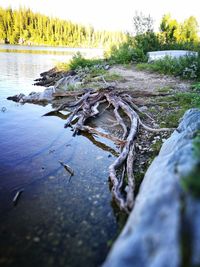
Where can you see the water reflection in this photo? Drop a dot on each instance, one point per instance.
(89, 136)
(56, 222)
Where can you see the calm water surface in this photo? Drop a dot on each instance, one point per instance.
(58, 220)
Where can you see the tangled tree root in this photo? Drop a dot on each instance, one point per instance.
(121, 170)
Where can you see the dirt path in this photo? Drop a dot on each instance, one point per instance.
(143, 80)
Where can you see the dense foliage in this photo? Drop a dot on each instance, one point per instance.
(26, 27)
(172, 36)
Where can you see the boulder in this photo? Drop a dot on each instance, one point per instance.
(163, 228)
(35, 97)
(39, 97)
(16, 98)
(156, 55)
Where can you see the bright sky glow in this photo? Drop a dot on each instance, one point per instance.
(110, 14)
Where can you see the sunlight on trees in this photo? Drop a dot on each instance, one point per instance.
(26, 27)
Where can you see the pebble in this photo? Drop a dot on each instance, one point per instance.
(144, 108)
(80, 242)
(36, 239)
(92, 214)
(51, 177)
(3, 109)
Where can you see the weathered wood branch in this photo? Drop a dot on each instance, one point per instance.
(87, 106)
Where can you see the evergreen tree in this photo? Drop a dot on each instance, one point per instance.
(25, 27)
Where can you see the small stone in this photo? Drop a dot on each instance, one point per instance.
(92, 214)
(80, 243)
(51, 177)
(99, 157)
(144, 108)
(3, 109)
(106, 67)
(50, 234)
(36, 239)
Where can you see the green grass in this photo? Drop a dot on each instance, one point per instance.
(179, 103)
(165, 89)
(78, 61)
(186, 67)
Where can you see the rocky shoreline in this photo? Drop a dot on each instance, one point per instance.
(141, 243)
(54, 81)
(163, 228)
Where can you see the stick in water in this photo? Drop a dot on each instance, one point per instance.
(17, 196)
(67, 167)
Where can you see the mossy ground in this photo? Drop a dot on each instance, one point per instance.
(191, 182)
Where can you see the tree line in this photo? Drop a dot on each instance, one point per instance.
(172, 34)
(23, 26)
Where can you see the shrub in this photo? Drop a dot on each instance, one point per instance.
(121, 55)
(126, 53)
(147, 42)
(186, 67)
(139, 56)
(78, 61)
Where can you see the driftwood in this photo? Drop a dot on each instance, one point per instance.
(127, 114)
(17, 196)
(67, 168)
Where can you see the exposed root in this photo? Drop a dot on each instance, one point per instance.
(126, 113)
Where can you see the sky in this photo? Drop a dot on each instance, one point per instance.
(110, 14)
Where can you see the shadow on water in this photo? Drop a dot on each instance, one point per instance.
(89, 136)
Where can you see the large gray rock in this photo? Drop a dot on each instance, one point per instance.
(45, 96)
(35, 97)
(154, 232)
(152, 56)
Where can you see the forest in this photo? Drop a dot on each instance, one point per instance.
(26, 27)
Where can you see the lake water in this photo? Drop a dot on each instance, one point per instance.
(58, 220)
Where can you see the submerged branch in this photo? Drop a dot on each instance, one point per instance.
(86, 107)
